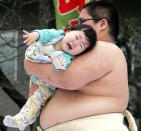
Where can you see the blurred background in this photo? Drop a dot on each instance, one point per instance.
(16, 15)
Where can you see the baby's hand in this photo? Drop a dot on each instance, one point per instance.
(58, 62)
(30, 38)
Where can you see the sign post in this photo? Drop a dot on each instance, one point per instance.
(67, 11)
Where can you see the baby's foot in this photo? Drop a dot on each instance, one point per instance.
(10, 122)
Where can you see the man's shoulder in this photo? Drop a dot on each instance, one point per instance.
(107, 44)
(108, 47)
(108, 52)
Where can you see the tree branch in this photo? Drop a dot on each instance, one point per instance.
(8, 88)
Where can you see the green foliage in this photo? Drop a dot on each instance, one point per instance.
(47, 14)
(129, 40)
(130, 31)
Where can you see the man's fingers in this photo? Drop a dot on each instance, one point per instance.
(30, 92)
(59, 57)
(62, 60)
(33, 87)
(58, 62)
(36, 88)
(63, 68)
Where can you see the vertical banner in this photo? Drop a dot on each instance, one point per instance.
(67, 11)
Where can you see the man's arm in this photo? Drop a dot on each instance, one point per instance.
(82, 70)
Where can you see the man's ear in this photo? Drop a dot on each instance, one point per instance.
(103, 24)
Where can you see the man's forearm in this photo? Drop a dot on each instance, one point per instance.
(43, 71)
(67, 79)
(81, 71)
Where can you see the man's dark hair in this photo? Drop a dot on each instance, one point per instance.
(90, 34)
(100, 9)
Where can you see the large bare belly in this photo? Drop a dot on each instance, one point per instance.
(68, 105)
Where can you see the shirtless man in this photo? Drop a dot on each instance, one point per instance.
(94, 84)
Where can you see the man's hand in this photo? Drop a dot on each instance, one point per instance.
(58, 62)
(33, 87)
(30, 38)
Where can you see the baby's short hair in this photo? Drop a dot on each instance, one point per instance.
(89, 32)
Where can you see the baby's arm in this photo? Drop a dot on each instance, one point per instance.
(42, 36)
(35, 52)
(30, 38)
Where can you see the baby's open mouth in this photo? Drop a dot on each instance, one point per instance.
(69, 46)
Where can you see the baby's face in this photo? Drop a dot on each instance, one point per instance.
(75, 42)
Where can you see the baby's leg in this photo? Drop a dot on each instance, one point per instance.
(30, 110)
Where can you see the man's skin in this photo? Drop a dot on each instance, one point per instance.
(94, 83)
